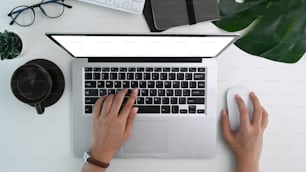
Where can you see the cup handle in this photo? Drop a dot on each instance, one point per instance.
(40, 109)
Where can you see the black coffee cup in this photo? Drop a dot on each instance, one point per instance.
(39, 83)
(32, 84)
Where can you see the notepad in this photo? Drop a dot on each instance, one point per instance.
(171, 13)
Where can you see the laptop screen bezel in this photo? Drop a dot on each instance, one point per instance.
(235, 37)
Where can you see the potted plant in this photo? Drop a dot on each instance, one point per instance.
(275, 30)
(10, 45)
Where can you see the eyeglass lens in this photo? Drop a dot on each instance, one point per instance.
(52, 8)
(25, 15)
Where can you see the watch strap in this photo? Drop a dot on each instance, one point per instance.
(95, 162)
(87, 158)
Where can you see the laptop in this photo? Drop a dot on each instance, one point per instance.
(177, 80)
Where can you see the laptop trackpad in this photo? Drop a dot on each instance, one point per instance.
(148, 137)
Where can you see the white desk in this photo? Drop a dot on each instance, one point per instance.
(43, 143)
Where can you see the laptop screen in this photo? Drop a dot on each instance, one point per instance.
(143, 45)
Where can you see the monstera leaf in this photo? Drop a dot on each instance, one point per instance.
(278, 30)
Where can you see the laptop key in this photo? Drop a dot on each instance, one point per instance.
(130, 76)
(182, 100)
(140, 100)
(91, 100)
(144, 92)
(111, 91)
(147, 76)
(88, 108)
(138, 76)
(117, 84)
(163, 76)
(180, 76)
(90, 84)
(186, 92)
(126, 84)
(134, 84)
(173, 100)
(184, 84)
(105, 69)
(151, 84)
(201, 84)
(175, 109)
(169, 92)
(200, 111)
(201, 69)
(149, 100)
(132, 69)
(157, 100)
(197, 92)
(103, 92)
(161, 92)
(192, 69)
(192, 109)
(105, 76)
(114, 69)
(113, 76)
(159, 84)
(148, 109)
(96, 76)
(183, 111)
(88, 69)
(176, 84)
(199, 76)
(91, 92)
(195, 100)
(155, 76)
(101, 84)
(192, 84)
(165, 100)
(183, 69)
(157, 69)
(172, 76)
(109, 84)
(165, 109)
(153, 92)
(88, 76)
(142, 84)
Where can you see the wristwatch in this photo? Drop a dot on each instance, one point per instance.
(88, 159)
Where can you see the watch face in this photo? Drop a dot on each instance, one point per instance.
(85, 156)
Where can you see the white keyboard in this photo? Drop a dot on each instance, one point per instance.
(131, 6)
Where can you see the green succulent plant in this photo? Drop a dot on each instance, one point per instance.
(10, 45)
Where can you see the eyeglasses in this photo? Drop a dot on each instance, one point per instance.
(25, 15)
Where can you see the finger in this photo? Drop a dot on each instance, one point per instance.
(227, 132)
(265, 120)
(117, 102)
(257, 115)
(98, 107)
(107, 105)
(130, 121)
(129, 104)
(244, 117)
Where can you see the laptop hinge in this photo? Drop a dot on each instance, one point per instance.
(147, 59)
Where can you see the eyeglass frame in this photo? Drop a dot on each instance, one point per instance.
(32, 7)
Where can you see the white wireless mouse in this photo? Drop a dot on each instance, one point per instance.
(232, 106)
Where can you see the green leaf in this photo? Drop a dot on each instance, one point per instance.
(279, 32)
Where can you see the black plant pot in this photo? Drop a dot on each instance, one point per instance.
(10, 45)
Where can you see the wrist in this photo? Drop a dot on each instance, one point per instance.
(247, 164)
(102, 155)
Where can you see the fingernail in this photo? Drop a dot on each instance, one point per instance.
(135, 90)
(135, 109)
(223, 113)
(237, 96)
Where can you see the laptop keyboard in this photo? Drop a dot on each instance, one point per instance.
(162, 90)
